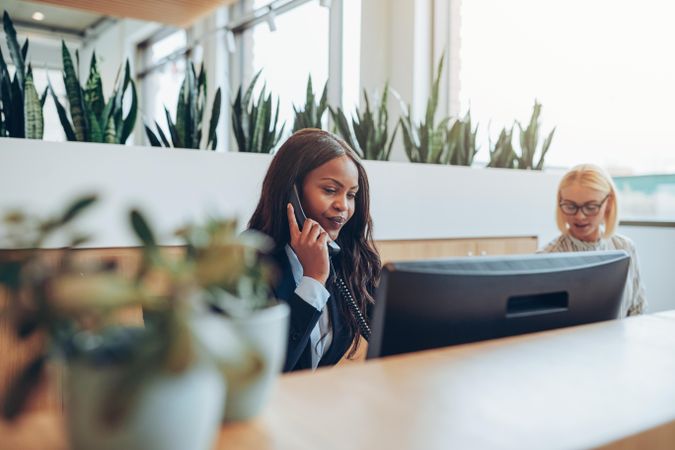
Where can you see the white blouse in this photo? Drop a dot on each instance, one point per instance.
(634, 301)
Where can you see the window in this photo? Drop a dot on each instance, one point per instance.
(298, 48)
(603, 71)
(351, 55)
(163, 69)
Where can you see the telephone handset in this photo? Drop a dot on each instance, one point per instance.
(300, 217)
(333, 249)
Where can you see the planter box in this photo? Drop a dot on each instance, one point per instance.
(409, 200)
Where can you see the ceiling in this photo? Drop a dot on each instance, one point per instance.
(173, 12)
(56, 18)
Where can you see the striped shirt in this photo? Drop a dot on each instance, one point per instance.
(634, 301)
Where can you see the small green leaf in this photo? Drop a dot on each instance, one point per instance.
(78, 207)
(142, 229)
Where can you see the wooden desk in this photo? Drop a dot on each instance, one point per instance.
(608, 384)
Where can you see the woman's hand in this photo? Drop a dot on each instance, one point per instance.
(310, 245)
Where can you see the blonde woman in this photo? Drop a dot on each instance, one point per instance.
(587, 216)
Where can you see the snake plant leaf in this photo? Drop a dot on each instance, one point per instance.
(95, 129)
(191, 119)
(16, 109)
(249, 91)
(110, 133)
(24, 49)
(130, 120)
(202, 94)
(151, 137)
(544, 150)
(181, 112)
(6, 97)
(14, 50)
(33, 121)
(74, 93)
(312, 114)
(63, 116)
(43, 97)
(162, 136)
(345, 130)
(172, 130)
(213, 123)
(432, 104)
(237, 126)
(93, 93)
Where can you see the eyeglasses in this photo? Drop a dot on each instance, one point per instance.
(589, 208)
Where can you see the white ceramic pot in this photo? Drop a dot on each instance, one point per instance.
(266, 333)
(170, 411)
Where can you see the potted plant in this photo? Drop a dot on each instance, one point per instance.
(237, 287)
(426, 142)
(502, 154)
(461, 142)
(20, 106)
(368, 134)
(529, 142)
(187, 130)
(126, 387)
(94, 119)
(254, 127)
(312, 114)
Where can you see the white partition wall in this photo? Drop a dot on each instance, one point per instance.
(409, 201)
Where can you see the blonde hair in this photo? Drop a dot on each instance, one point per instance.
(592, 177)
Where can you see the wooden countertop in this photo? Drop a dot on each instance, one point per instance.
(610, 384)
(588, 386)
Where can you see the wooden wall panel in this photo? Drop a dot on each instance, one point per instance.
(405, 250)
(179, 13)
(14, 354)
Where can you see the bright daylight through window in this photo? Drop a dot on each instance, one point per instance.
(603, 71)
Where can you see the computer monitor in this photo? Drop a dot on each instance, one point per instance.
(435, 303)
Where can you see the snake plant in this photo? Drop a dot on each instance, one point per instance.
(254, 127)
(368, 134)
(312, 114)
(461, 142)
(529, 140)
(426, 142)
(502, 153)
(94, 119)
(187, 130)
(20, 106)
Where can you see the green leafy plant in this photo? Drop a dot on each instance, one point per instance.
(73, 304)
(461, 145)
(20, 105)
(368, 134)
(92, 119)
(312, 114)
(529, 141)
(426, 142)
(186, 131)
(254, 127)
(502, 153)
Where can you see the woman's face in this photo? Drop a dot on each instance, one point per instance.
(329, 192)
(584, 226)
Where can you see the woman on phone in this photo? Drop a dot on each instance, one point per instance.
(329, 296)
(587, 216)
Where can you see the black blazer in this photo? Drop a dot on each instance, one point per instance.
(303, 319)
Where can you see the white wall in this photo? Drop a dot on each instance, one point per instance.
(409, 201)
(656, 256)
